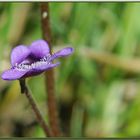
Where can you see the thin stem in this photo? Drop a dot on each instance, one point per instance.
(22, 85)
(49, 75)
(35, 108)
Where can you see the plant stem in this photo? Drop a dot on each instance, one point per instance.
(49, 75)
(41, 121)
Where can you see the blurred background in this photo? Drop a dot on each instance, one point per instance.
(97, 88)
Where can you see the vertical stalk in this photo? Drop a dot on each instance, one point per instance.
(40, 119)
(49, 75)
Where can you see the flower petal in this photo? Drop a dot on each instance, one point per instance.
(45, 67)
(63, 52)
(12, 74)
(18, 54)
(39, 48)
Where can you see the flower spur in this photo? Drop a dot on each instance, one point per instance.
(32, 60)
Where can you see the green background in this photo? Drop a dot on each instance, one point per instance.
(97, 88)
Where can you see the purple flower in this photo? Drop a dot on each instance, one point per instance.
(32, 60)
